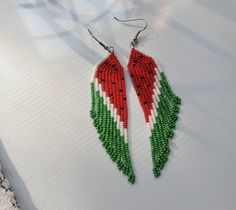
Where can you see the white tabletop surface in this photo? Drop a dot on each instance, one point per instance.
(49, 147)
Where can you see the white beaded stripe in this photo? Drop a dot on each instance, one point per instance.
(100, 90)
(149, 128)
(153, 116)
(111, 108)
(104, 98)
(158, 66)
(150, 121)
(157, 89)
(157, 83)
(113, 111)
(156, 99)
(96, 84)
(156, 94)
(158, 72)
(93, 75)
(154, 110)
(126, 135)
(118, 120)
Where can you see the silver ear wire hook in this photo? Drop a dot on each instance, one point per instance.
(110, 49)
(134, 42)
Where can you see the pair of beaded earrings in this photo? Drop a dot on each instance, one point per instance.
(109, 107)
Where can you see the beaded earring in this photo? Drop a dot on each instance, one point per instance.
(109, 110)
(159, 103)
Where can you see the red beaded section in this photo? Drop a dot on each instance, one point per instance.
(142, 71)
(110, 75)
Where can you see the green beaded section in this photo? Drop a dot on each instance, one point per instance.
(109, 135)
(165, 123)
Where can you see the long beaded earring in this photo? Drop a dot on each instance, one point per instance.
(159, 103)
(109, 110)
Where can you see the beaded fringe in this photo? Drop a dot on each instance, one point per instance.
(163, 121)
(110, 125)
(159, 103)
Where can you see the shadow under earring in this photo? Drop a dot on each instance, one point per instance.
(109, 110)
(159, 103)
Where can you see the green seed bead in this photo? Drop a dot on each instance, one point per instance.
(131, 179)
(156, 172)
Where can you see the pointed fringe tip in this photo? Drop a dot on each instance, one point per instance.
(163, 129)
(110, 136)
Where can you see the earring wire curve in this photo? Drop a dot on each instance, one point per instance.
(110, 49)
(134, 42)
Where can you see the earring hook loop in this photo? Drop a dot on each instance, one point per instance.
(110, 49)
(134, 42)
